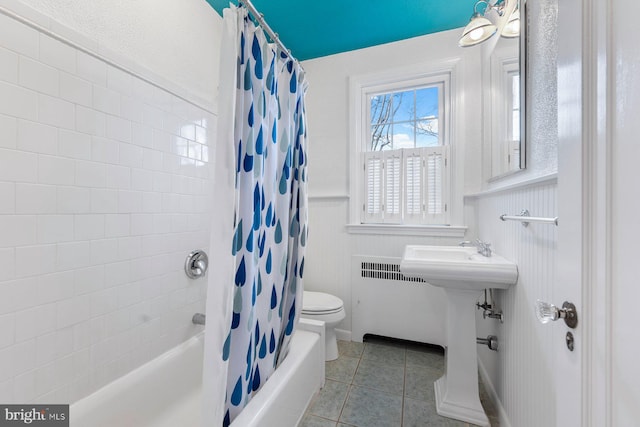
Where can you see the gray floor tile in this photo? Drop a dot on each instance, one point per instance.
(426, 358)
(385, 384)
(350, 348)
(384, 353)
(419, 382)
(380, 376)
(312, 421)
(330, 401)
(342, 369)
(419, 414)
(372, 408)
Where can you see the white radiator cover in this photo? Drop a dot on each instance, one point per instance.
(384, 302)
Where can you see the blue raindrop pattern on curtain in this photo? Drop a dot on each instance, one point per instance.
(271, 213)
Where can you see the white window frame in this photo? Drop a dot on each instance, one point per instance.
(513, 157)
(361, 87)
(505, 151)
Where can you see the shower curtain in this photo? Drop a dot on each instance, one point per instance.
(260, 228)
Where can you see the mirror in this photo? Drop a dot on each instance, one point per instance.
(504, 90)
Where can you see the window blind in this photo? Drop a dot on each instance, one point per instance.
(407, 186)
(373, 187)
(393, 186)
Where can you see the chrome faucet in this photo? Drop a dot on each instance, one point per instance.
(484, 248)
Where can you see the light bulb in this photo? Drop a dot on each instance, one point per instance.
(513, 27)
(476, 34)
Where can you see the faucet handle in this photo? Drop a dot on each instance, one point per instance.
(488, 249)
(484, 248)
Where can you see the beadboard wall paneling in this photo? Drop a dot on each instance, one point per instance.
(521, 372)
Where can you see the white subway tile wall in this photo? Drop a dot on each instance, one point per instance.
(104, 180)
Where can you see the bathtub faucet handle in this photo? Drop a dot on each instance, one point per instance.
(199, 267)
(199, 319)
(196, 264)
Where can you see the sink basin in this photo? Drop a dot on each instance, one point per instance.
(458, 267)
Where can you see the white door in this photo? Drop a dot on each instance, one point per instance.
(572, 203)
(569, 277)
(598, 384)
(620, 347)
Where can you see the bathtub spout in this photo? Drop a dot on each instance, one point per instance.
(198, 319)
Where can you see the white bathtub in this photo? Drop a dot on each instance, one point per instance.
(167, 392)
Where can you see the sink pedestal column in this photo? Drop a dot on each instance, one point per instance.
(456, 392)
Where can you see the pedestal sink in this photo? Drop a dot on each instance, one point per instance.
(464, 274)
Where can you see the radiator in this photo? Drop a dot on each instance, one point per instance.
(384, 302)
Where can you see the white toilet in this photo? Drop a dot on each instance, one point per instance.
(329, 309)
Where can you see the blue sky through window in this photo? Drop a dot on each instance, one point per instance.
(405, 119)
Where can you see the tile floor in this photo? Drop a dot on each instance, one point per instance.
(383, 383)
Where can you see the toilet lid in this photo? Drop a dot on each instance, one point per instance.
(316, 302)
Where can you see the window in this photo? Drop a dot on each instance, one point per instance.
(513, 119)
(405, 153)
(504, 113)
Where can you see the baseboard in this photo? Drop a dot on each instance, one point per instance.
(343, 335)
(502, 414)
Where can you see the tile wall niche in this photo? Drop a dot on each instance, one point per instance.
(104, 183)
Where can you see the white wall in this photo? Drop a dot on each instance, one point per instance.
(625, 202)
(330, 245)
(104, 182)
(177, 40)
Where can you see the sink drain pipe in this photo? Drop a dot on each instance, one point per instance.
(490, 341)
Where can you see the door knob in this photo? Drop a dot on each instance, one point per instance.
(546, 312)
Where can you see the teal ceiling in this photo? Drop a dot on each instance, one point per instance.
(312, 29)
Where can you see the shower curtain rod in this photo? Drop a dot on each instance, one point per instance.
(263, 23)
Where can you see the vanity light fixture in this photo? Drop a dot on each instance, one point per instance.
(512, 27)
(481, 28)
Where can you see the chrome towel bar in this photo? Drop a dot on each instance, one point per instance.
(525, 218)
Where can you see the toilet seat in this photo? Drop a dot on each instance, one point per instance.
(318, 303)
(328, 309)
